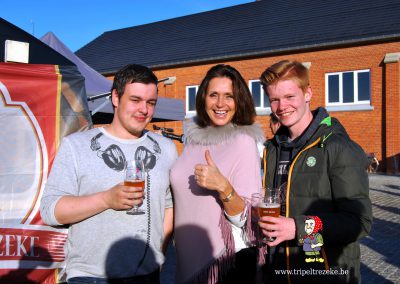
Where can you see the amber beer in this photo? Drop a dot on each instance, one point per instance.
(270, 209)
(135, 183)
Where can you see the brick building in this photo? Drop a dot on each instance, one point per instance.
(352, 49)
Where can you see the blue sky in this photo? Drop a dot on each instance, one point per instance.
(77, 22)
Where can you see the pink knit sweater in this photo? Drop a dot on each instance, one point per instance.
(201, 246)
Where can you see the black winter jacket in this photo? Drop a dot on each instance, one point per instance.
(326, 178)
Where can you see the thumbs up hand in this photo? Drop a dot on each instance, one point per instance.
(209, 160)
(209, 176)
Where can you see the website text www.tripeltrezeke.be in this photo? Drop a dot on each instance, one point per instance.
(311, 271)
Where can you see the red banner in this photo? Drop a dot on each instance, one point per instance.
(39, 104)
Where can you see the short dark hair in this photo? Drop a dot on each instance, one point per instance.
(286, 70)
(132, 73)
(245, 112)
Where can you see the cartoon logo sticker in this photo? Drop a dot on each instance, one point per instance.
(313, 241)
(311, 161)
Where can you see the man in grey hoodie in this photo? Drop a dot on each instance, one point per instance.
(85, 190)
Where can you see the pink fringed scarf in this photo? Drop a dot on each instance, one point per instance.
(216, 270)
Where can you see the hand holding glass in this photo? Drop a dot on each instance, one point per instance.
(270, 205)
(135, 177)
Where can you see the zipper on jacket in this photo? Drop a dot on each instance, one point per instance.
(287, 196)
(287, 199)
(265, 167)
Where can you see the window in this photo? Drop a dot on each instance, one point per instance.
(348, 90)
(260, 98)
(191, 92)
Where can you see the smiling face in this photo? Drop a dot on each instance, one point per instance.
(219, 101)
(291, 106)
(309, 226)
(133, 110)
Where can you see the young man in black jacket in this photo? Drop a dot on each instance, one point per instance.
(325, 206)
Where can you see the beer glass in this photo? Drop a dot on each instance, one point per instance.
(135, 177)
(270, 205)
(256, 198)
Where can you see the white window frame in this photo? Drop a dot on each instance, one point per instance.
(341, 106)
(260, 110)
(190, 113)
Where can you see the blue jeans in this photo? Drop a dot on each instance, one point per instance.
(152, 278)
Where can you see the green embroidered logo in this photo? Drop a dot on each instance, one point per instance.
(311, 161)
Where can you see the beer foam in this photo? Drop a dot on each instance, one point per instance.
(270, 205)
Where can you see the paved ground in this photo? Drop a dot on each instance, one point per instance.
(380, 251)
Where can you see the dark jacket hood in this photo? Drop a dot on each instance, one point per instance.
(321, 125)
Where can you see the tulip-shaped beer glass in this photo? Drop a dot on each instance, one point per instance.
(135, 176)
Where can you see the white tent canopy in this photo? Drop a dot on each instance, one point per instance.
(96, 84)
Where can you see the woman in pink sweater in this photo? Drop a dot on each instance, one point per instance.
(213, 180)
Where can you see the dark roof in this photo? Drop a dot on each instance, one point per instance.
(258, 28)
(39, 52)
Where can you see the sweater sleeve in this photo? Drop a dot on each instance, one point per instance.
(61, 181)
(238, 220)
(246, 176)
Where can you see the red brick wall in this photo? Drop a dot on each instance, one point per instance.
(365, 127)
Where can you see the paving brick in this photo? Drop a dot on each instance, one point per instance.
(379, 251)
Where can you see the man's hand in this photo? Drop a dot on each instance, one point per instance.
(281, 228)
(121, 197)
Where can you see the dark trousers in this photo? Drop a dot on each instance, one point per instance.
(152, 278)
(245, 268)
